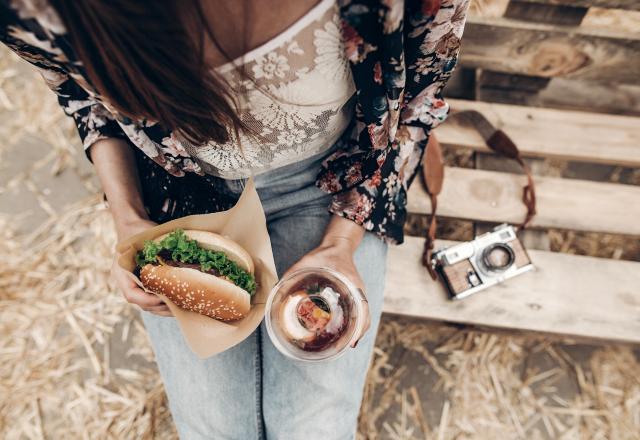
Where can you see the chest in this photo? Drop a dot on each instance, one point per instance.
(239, 26)
(296, 102)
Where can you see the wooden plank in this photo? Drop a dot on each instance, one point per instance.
(561, 203)
(507, 96)
(613, 4)
(567, 294)
(517, 89)
(545, 13)
(531, 238)
(622, 99)
(508, 81)
(615, 19)
(462, 84)
(545, 50)
(561, 134)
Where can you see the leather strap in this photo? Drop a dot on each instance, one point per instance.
(433, 177)
(502, 144)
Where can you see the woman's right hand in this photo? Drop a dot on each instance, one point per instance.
(124, 280)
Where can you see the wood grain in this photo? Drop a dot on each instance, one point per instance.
(532, 238)
(614, 4)
(589, 96)
(506, 81)
(562, 203)
(567, 294)
(562, 134)
(623, 99)
(546, 50)
(520, 88)
(545, 13)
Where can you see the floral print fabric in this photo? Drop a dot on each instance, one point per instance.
(401, 54)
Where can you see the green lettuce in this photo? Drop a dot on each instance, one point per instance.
(186, 250)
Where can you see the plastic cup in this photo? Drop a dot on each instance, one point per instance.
(315, 314)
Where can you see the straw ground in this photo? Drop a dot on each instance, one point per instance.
(75, 361)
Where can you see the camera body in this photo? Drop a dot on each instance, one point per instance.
(489, 259)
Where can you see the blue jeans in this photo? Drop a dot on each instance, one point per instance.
(251, 391)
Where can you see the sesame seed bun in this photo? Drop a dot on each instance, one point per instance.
(197, 291)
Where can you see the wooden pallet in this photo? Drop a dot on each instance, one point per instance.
(557, 53)
(568, 294)
(540, 132)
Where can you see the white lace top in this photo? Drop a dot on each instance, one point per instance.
(298, 103)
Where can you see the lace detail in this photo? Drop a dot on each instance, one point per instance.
(399, 69)
(297, 103)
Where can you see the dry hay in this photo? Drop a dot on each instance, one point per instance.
(59, 320)
(29, 108)
(490, 385)
(75, 361)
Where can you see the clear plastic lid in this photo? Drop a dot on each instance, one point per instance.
(314, 314)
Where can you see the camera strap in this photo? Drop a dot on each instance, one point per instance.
(433, 173)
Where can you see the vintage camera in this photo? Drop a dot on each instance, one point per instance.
(489, 259)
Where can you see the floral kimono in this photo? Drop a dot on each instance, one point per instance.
(401, 54)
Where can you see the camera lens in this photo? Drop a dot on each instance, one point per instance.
(498, 257)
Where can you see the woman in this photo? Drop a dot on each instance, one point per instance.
(328, 106)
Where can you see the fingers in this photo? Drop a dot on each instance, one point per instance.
(363, 332)
(366, 324)
(300, 264)
(141, 298)
(147, 301)
(347, 267)
(161, 310)
(135, 295)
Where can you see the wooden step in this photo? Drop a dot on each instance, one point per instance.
(548, 50)
(561, 134)
(567, 294)
(562, 203)
(616, 4)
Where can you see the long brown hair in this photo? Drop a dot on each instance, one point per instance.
(144, 58)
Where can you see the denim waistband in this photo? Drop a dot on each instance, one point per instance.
(308, 164)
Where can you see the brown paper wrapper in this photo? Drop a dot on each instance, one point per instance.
(245, 223)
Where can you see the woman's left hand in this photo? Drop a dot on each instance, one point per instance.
(336, 252)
